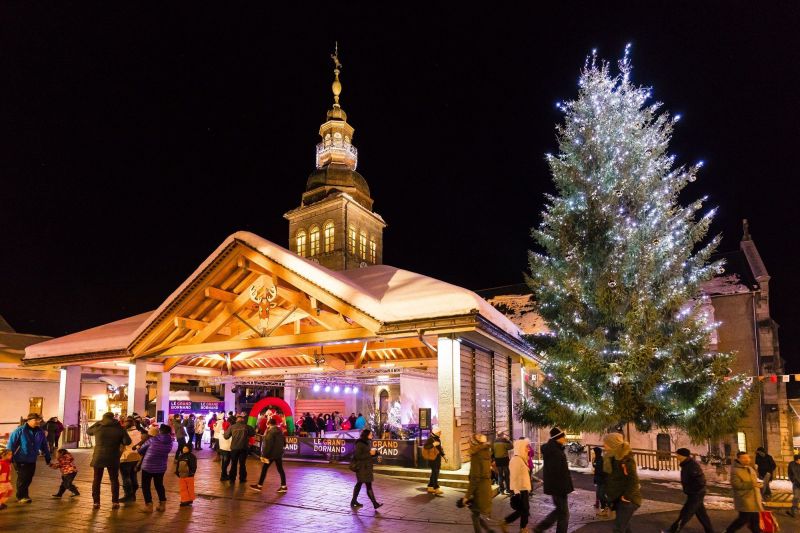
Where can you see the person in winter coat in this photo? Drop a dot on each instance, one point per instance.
(129, 460)
(622, 487)
(557, 481)
(520, 483)
(199, 429)
(272, 452)
(188, 428)
(25, 443)
(794, 477)
(6, 490)
(54, 428)
(600, 478)
(361, 422)
(109, 437)
(352, 419)
(362, 460)
(321, 424)
(766, 470)
(693, 482)
(500, 450)
(212, 427)
(155, 455)
(240, 434)
(309, 426)
(746, 494)
(65, 462)
(435, 441)
(180, 432)
(224, 445)
(479, 490)
(185, 467)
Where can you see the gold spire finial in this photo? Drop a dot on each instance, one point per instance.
(337, 67)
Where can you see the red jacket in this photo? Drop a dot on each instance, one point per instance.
(5, 471)
(65, 463)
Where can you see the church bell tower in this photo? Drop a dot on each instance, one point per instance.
(335, 224)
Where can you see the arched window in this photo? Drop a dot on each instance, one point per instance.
(373, 250)
(362, 241)
(300, 241)
(351, 240)
(328, 237)
(314, 240)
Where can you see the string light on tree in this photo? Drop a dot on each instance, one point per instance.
(629, 337)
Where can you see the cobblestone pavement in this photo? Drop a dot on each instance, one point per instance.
(317, 501)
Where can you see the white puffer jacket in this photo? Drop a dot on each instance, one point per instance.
(224, 444)
(520, 478)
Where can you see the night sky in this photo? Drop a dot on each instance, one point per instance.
(135, 139)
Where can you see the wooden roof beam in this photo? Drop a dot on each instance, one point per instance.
(189, 323)
(260, 343)
(220, 295)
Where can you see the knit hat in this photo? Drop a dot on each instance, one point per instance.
(33, 416)
(480, 437)
(556, 433)
(436, 431)
(683, 452)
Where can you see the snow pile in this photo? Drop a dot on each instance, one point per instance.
(723, 285)
(519, 308)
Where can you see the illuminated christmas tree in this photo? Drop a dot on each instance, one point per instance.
(619, 278)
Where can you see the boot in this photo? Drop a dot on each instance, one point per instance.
(148, 508)
(354, 502)
(162, 506)
(371, 495)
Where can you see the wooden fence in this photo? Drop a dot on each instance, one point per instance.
(655, 460)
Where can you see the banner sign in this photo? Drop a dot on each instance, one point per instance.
(389, 451)
(179, 405)
(176, 406)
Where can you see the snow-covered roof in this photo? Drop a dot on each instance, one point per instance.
(115, 336)
(385, 293)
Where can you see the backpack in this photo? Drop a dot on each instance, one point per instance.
(430, 454)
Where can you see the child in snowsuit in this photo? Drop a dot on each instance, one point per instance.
(185, 468)
(6, 490)
(66, 463)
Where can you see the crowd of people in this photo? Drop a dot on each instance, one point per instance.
(318, 425)
(618, 492)
(125, 447)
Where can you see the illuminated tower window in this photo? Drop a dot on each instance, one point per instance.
(362, 241)
(314, 240)
(300, 241)
(373, 250)
(328, 236)
(351, 240)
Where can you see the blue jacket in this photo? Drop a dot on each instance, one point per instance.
(156, 451)
(361, 422)
(26, 442)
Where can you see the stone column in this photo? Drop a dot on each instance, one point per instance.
(229, 397)
(137, 387)
(449, 410)
(517, 392)
(162, 394)
(69, 403)
(289, 395)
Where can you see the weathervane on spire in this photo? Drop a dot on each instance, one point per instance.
(335, 56)
(337, 66)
